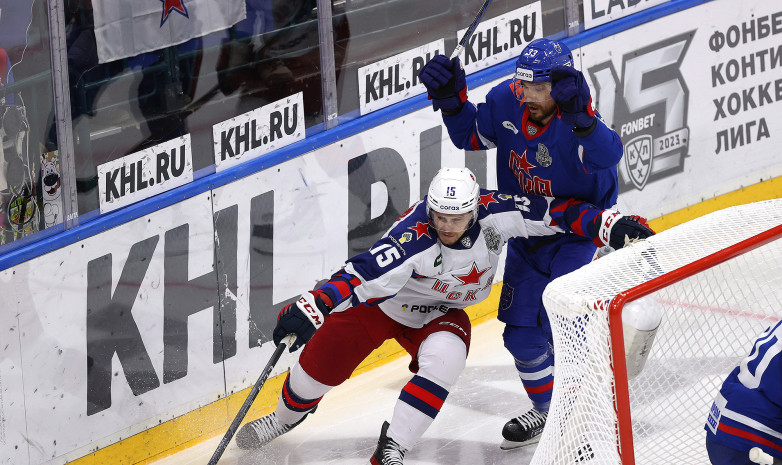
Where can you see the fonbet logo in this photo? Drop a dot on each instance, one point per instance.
(647, 104)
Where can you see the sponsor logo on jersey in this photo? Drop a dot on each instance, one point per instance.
(504, 196)
(493, 240)
(406, 237)
(398, 244)
(543, 157)
(510, 126)
(424, 308)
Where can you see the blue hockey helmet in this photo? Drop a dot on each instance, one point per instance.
(539, 57)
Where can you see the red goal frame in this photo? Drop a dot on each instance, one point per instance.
(621, 385)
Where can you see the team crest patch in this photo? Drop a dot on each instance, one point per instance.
(493, 241)
(531, 130)
(543, 157)
(466, 242)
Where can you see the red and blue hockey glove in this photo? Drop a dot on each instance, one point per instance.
(618, 230)
(446, 83)
(571, 92)
(302, 318)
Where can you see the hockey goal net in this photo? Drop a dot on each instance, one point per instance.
(718, 283)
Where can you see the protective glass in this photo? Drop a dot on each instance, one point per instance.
(533, 92)
(445, 222)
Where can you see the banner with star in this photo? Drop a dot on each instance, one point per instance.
(126, 29)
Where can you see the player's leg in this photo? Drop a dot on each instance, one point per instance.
(439, 352)
(327, 360)
(534, 361)
(519, 308)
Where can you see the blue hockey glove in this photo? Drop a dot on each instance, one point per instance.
(571, 92)
(618, 230)
(445, 82)
(302, 318)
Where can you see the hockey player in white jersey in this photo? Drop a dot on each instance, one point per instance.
(439, 257)
(747, 412)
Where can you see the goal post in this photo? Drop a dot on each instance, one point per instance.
(717, 282)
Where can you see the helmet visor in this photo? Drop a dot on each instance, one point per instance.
(449, 223)
(533, 92)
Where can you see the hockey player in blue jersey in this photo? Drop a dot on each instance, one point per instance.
(439, 257)
(747, 412)
(550, 141)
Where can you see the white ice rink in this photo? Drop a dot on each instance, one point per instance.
(347, 423)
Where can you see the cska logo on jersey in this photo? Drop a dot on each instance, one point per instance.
(421, 229)
(473, 277)
(522, 168)
(487, 199)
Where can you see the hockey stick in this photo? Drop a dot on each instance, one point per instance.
(468, 33)
(757, 455)
(250, 398)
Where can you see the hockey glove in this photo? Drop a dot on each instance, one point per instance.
(618, 230)
(445, 82)
(571, 92)
(302, 318)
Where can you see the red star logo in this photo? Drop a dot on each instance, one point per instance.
(473, 277)
(421, 229)
(175, 5)
(486, 199)
(522, 163)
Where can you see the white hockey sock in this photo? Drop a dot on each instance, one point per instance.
(300, 394)
(441, 359)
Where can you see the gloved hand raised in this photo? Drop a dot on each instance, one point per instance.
(444, 79)
(302, 318)
(618, 230)
(571, 92)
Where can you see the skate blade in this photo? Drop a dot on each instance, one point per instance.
(510, 445)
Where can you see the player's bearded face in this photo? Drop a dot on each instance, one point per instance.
(451, 227)
(537, 96)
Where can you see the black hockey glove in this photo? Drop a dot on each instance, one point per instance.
(571, 92)
(302, 318)
(618, 230)
(444, 79)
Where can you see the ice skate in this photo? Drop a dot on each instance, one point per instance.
(523, 430)
(259, 432)
(388, 452)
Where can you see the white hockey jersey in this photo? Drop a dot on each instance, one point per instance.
(414, 278)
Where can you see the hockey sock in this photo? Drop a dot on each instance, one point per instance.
(300, 395)
(441, 359)
(538, 378)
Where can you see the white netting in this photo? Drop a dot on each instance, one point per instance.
(709, 321)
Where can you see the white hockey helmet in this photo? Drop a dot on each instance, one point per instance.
(454, 191)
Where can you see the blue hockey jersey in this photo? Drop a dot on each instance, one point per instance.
(747, 411)
(546, 160)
